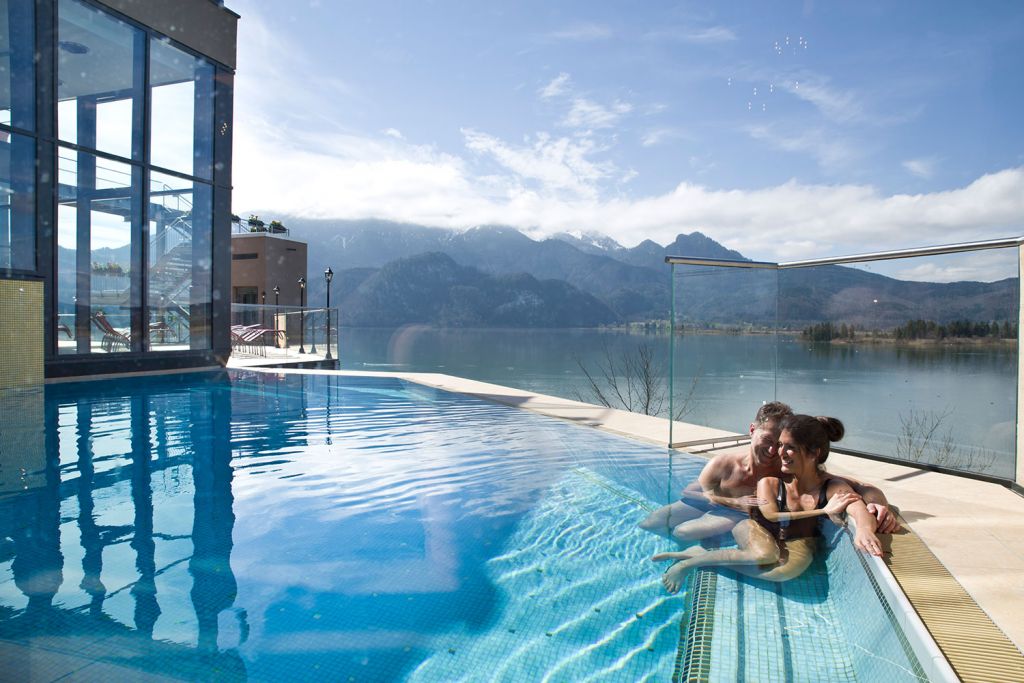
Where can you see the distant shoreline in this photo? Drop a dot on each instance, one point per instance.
(797, 335)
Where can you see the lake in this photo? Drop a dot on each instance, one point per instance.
(952, 404)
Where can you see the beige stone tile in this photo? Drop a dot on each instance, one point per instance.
(963, 553)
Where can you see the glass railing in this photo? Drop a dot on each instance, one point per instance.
(284, 332)
(915, 351)
(244, 228)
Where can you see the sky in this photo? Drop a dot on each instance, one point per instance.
(785, 130)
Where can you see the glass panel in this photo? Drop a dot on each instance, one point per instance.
(94, 285)
(17, 64)
(917, 356)
(182, 111)
(724, 358)
(17, 202)
(99, 84)
(180, 257)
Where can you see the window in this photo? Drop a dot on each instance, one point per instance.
(182, 111)
(134, 267)
(94, 254)
(17, 201)
(17, 64)
(180, 260)
(99, 88)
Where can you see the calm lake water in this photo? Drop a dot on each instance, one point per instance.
(888, 396)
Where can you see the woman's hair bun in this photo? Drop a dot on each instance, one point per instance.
(833, 427)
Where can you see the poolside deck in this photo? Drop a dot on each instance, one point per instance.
(974, 529)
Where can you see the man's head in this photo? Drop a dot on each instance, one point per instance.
(764, 430)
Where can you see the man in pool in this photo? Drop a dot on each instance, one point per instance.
(724, 492)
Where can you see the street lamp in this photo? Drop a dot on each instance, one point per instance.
(277, 313)
(302, 315)
(328, 275)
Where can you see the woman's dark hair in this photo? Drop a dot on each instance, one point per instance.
(813, 433)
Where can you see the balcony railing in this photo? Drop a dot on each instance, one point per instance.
(285, 333)
(244, 228)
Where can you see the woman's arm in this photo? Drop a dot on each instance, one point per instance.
(767, 487)
(864, 538)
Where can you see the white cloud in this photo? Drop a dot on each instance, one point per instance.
(393, 133)
(556, 87)
(557, 164)
(990, 265)
(553, 184)
(697, 36)
(922, 168)
(587, 114)
(841, 106)
(712, 34)
(658, 136)
(828, 149)
(582, 32)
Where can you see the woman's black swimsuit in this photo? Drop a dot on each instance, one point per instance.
(794, 528)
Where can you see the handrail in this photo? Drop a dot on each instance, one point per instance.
(852, 258)
(722, 262)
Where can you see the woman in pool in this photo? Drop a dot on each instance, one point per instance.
(777, 543)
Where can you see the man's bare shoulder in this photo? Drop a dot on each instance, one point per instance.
(724, 462)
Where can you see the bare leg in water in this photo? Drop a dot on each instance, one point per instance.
(756, 548)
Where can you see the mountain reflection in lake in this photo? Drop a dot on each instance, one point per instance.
(878, 390)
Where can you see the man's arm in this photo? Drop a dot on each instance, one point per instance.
(708, 487)
(876, 503)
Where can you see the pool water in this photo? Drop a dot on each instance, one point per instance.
(271, 527)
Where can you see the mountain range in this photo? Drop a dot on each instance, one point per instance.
(394, 273)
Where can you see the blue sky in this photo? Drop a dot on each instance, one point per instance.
(784, 130)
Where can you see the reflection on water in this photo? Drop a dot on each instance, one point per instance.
(94, 501)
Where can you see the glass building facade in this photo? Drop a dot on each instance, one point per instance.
(115, 166)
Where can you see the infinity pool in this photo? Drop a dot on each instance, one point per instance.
(270, 527)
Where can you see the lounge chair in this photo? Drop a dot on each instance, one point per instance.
(113, 338)
(253, 339)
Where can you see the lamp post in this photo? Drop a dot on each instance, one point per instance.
(263, 310)
(277, 313)
(302, 315)
(328, 276)
(312, 331)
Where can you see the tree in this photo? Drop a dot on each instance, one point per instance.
(634, 381)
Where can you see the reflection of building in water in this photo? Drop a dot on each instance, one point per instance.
(146, 607)
(214, 588)
(34, 519)
(30, 521)
(22, 456)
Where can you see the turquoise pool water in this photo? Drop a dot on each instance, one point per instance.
(268, 527)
